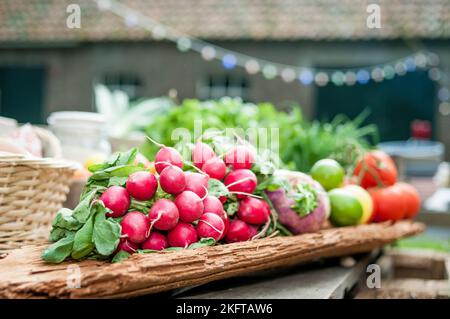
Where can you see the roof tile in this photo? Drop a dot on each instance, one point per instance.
(45, 20)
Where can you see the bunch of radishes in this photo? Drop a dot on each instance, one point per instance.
(188, 212)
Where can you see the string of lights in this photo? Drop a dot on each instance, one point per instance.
(288, 73)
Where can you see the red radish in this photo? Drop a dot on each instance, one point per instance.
(238, 231)
(241, 182)
(223, 199)
(253, 230)
(127, 246)
(226, 221)
(253, 211)
(142, 185)
(240, 157)
(189, 205)
(167, 156)
(117, 199)
(164, 214)
(210, 225)
(156, 241)
(197, 183)
(182, 235)
(172, 180)
(201, 153)
(215, 168)
(135, 226)
(213, 205)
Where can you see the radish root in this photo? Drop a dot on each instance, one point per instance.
(263, 231)
(206, 195)
(163, 162)
(209, 224)
(131, 248)
(153, 223)
(238, 182)
(247, 194)
(196, 168)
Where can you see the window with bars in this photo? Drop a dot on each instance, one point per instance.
(129, 83)
(217, 86)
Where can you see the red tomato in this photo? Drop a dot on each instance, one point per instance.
(388, 203)
(411, 197)
(376, 168)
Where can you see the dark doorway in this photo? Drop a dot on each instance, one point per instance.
(22, 93)
(393, 104)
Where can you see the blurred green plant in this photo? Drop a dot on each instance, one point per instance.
(424, 242)
(124, 116)
(302, 143)
(341, 139)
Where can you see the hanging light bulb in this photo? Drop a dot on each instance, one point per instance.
(444, 108)
(410, 65)
(229, 61)
(443, 94)
(338, 78)
(288, 75)
(208, 53)
(159, 32)
(362, 77)
(306, 77)
(269, 71)
(400, 68)
(434, 74)
(104, 5)
(252, 66)
(420, 60)
(389, 72)
(350, 78)
(184, 44)
(377, 74)
(321, 79)
(433, 59)
(131, 20)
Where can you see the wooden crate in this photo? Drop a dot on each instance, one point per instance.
(411, 274)
(24, 275)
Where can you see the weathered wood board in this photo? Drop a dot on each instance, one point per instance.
(24, 275)
(325, 279)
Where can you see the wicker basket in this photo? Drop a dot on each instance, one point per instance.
(31, 191)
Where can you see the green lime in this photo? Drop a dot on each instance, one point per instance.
(328, 173)
(346, 208)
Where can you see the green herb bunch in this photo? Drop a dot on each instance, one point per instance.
(86, 232)
(302, 143)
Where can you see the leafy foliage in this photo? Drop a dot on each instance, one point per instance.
(120, 256)
(60, 250)
(86, 231)
(341, 139)
(217, 188)
(203, 243)
(106, 234)
(305, 199)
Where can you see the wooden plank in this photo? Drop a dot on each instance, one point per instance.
(24, 275)
(408, 288)
(327, 280)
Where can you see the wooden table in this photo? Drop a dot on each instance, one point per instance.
(328, 279)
